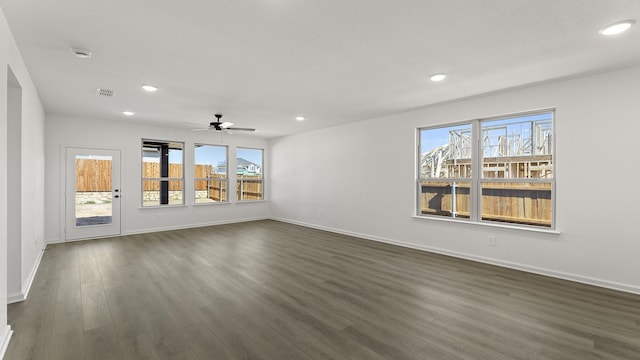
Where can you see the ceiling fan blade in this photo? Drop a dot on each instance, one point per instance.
(219, 126)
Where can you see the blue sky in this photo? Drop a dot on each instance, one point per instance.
(253, 155)
(434, 137)
(210, 155)
(213, 155)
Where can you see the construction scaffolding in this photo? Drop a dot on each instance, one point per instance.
(513, 150)
(516, 162)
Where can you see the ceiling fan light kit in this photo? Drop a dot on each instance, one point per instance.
(218, 125)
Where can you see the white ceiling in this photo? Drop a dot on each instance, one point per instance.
(262, 62)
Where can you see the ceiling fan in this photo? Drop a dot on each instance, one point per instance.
(220, 126)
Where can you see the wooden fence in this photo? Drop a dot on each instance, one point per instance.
(152, 170)
(520, 203)
(95, 176)
(217, 188)
(249, 188)
(509, 202)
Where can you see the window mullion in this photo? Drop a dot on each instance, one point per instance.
(476, 170)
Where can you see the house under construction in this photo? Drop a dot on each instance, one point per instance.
(514, 150)
(510, 151)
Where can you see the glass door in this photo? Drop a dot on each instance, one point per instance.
(92, 193)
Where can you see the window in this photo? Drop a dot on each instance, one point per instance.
(506, 178)
(210, 174)
(162, 173)
(249, 180)
(445, 171)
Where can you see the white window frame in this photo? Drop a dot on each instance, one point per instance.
(476, 180)
(239, 181)
(143, 179)
(226, 179)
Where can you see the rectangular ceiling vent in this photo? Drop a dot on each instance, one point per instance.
(105, 92)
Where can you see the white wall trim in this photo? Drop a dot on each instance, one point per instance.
(53, 241)
(15, 297)
(4, 340)
(22, 295)
(507, 264)
(178, 227)
(189, 226)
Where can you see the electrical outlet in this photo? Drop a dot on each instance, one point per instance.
(492, 240)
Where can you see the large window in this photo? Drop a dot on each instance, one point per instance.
(162, 173)
(489, 170)
(210, 174)
(249, 180)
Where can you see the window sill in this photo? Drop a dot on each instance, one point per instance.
(488, 224)
(162, 206)
(249, 201)
(217, 203)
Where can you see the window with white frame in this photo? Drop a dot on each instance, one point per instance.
(162, 173)
(249, 174)
(495, 170)
(210, 174)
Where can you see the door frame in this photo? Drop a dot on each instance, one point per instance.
(62, 213)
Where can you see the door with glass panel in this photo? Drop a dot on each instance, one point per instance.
(93, 193)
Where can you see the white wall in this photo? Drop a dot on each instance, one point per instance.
(65, 131)
(359, 179)
(14, 184)
(32, 183)
(5, 330)
(32, 170)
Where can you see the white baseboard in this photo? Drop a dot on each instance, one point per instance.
(507, 264)
(53, 241)
(176, 227)
(4, 340)
(15, 297)
(191, 226)
(22, 295)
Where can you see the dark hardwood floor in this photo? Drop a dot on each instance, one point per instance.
(270, 290)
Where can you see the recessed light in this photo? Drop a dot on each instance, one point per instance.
(438, 77)
(81, 53)
(149, 88)
(128, 113)
(300, 118)
(617, 28)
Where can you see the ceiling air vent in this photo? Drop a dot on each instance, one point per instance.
(105, 92)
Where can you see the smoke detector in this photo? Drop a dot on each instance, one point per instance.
(105, 92)
(81, 53)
